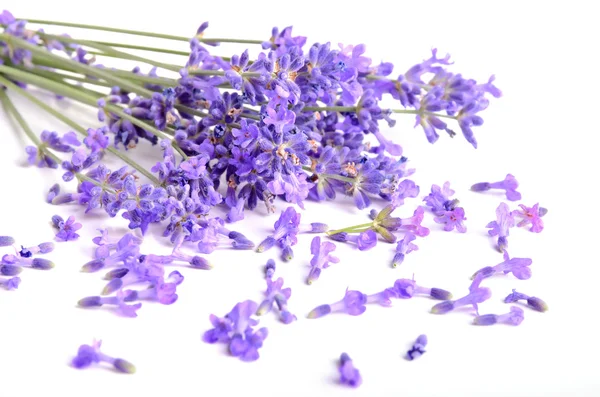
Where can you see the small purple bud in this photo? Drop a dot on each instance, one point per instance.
(486, 319)
(116, 273)
(266, 245)
(10, 270)
(6, 241)
(481, 187)
(11, 284)
(200, 263)
(537, 304)
(319, 311)
(443, 307)
(124, 366)
(93, 266)
(90, 301)
(440, 294)
(341, 237)
(63, 199)
(42, 264)
(242, 244)
(542, 211)
(53, 192)
(112, 286)
(287, 254)
(46, 247)
(373, 214)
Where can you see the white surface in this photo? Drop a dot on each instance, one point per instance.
(543, 131)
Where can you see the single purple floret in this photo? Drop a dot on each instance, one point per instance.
(474, 297)
(349, 375)
(88, 355)
(514, 317)
(501, 226)
(418, 348)
(532, 301)
(66, 230)
(321, 258)
(509, 184)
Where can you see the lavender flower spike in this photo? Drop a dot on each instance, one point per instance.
(514, 317)
(532, 301)
(501, 226)
(353, 303)
(349, 375)
(88, 355)
(509, 184)
(478, 295)
(321, 258)
(6, 241)
(418, 348)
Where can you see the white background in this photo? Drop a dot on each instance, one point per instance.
(544, 130)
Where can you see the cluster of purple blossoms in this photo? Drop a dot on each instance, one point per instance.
(11, 265)
(286, 232)
(129, 267)
(446, 210)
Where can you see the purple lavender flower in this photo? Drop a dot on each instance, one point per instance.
(519, 267)
(405, 189)
(531, 216)
(119, 301)
(439, 199)
(42, 248)
(321, 258)
(501, 226)
(474, 297)
(385, 224)
(88, 355)
(236, 213)
(285, 235)
(509, 184)
(97, 139)
(532, 301)
(236, 330)
(276, 295)
(364, 240)
(453, 219)
(10, 283)
(353, 304)
(514, 317)
(53, 192)
(404, 247)
(405, 288)
(349, 375)
(33, 263)
(6, 241)
(418, 348)
(66, 230)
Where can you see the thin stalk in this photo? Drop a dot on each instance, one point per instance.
(144, 48)
(354, 108)
(352, 229)
(76, 66)
(70, 92)
(330, 176)
(110, 51)
(140, 33)
(77, 127)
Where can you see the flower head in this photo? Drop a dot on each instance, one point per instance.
(66, 230)
(91, 354)
(349, 375)
(321, 257)
(418, 348)
(509, 184)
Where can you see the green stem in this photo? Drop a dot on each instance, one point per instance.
(110, 51)
(129, 161)
(138, 32)
(69, 91)
(407, 111)
(144, 48)
(352, 229)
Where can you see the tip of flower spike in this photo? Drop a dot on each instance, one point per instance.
(6, 241)
(42, 264)
(124, 366)
(319, 311)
